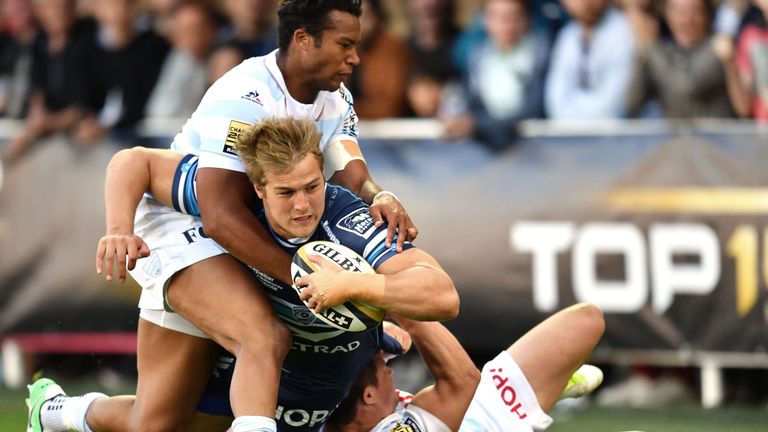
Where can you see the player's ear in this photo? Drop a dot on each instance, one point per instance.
(369, 395)
(259, 191)
(301, 38)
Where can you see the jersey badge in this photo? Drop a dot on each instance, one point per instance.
(233, 132)
(358, 222)
(152, 266)
(302, 315)
(252, 96)
(400, 427)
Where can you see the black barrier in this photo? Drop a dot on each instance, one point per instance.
(666, 232)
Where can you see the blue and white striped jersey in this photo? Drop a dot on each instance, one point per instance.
(255, 90)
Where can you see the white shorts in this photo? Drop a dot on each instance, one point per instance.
(171, 321)
(504, 401)
(176, 241)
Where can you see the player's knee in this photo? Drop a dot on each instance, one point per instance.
(591, 320)
(273, 338)
(132, 153)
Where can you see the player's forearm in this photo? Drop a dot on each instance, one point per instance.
(442, 352)
(126, 181)
(246, 239)
(421, 292)
(368, 190)
(456, 376)
(224, 197)
(356, 178)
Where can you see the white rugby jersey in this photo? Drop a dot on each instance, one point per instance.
(407, 418)
(255, 90)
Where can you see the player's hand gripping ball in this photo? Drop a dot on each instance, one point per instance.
(350, 316)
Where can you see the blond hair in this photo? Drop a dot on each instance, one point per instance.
(277, 145)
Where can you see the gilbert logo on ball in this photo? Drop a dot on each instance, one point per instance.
(351, 316)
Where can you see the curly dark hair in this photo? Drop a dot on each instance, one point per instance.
(311, 15)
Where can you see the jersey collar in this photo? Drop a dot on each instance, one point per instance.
(293, 107)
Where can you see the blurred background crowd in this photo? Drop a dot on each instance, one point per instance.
(97, 68)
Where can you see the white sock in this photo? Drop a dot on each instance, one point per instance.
(73, 410)
(254, 424)
(51, 414)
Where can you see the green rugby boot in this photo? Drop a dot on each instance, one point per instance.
(41, 391)
(583, 382)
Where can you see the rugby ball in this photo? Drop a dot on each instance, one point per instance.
(351, 316)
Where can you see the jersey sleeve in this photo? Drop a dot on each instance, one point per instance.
(343, 146)
(391, 345)
(352, 224)
(183, 188)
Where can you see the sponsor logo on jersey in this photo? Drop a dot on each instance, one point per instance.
(297, 417)
(233, 133)
(411, 425)
(194, 234)
(344, 93)
(358, 222)
(349, 127)
(329, 232)
(302, 314)
(267, 280)
(252, 96)
(339, 318)
(507, 393)
(404, 427)
(326, 349)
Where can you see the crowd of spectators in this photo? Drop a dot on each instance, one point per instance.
(97, 68)
(672, 59)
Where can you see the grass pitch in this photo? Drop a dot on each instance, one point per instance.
(677, 419)
(13, 416)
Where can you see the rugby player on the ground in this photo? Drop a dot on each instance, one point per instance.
(516, 389)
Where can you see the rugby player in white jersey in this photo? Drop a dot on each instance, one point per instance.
(195, 267)
(512, 394)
